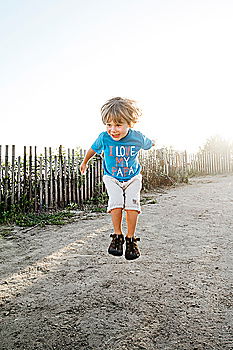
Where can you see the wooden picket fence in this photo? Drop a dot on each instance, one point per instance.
(166, 166)
(47, 181)
(163, 167)
(207, 163)
(52, 180)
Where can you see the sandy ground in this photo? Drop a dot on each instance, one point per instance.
(61, 290)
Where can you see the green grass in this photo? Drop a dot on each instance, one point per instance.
(23, 215)
(33, 219)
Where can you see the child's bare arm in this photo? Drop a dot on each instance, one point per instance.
(88, 156)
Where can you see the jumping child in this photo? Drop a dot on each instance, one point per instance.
(120, 145)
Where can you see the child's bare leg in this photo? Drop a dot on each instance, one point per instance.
(131, 219)
(131, 252)
(116, 246)
(117, 220)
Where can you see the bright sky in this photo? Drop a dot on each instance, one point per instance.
(62, 59)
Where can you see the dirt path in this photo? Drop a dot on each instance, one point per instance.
(61, 290)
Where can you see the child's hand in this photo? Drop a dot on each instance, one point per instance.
(83, 168)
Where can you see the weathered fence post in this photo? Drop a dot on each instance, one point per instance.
(13, 176)
(0, 173)
(41, 184)
(30, 175)
(61, 200)
(35, 180)
(55, 181)
(51, 178)
(46, 183)
(19, 179)
(6, 184)
(25, 172)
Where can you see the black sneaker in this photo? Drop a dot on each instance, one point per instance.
(132, 251)
(116, 246)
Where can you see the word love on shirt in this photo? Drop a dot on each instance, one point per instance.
(123, 155)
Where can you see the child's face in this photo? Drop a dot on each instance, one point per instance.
(117, 131)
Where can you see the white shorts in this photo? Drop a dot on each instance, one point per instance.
(125, 195)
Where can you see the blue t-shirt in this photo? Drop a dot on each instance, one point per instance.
(121, 157)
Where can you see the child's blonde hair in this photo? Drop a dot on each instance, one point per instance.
(120, 109)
